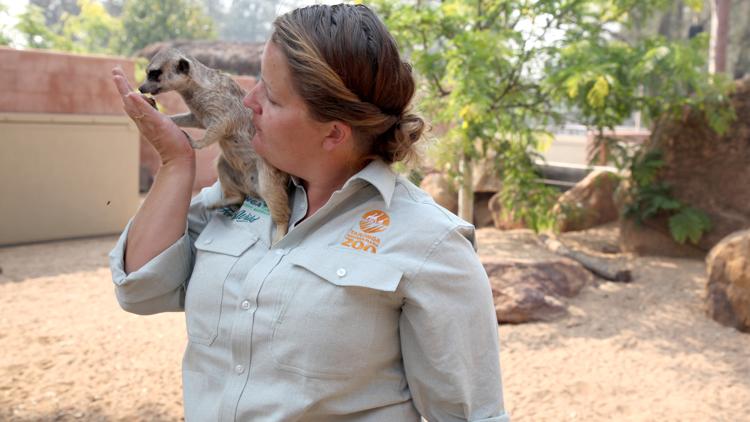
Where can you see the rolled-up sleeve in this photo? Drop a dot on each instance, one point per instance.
(449, 335)
(159, 285)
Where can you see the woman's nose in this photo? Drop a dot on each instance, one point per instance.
(251, 102)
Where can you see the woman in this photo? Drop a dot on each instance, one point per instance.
(374, 307)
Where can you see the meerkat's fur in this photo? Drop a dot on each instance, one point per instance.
(215, 104)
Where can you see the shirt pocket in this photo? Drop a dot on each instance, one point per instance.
(218, 249)
(340, 318)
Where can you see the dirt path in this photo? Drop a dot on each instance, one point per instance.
(641, 351)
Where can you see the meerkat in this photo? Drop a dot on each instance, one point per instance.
(215, 104)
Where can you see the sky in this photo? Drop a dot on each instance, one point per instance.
(8, 19)
(15, 7)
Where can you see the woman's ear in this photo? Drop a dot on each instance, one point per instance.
(339, 134)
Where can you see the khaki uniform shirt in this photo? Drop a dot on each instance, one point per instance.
(375, 308)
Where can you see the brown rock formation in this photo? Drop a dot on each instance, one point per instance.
(705, 170)
(589, 203)
(441, 190)
(500, 219)
(728, 287)
(532, 290)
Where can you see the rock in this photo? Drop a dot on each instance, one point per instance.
(445, 194)
(519, 304)
(708, 171)
(653, 239)
(532, 290)
(482, 213)
(589, 203)
(441, 190)
(499, 218)
(486, 176)
(728, 286)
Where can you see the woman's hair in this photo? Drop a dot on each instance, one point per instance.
(346, 66)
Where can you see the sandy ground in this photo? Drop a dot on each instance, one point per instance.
(638, 352)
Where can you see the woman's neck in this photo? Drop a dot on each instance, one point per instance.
(319, 190)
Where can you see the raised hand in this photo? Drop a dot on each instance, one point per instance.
(168, 139)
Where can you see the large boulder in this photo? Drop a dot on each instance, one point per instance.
(527, 290)
(482, 213)
(444, 192)
(503, 220)
(706, 170)
(652, 238)
(728, 287)
(589, 203)
(486, 176)
(441, 190)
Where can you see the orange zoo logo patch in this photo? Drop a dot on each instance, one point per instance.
(374, 221)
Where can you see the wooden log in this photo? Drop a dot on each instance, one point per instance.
(600, 267)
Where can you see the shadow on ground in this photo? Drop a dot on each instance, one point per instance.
(23, 262)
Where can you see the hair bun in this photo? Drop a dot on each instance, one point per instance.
(407, 131)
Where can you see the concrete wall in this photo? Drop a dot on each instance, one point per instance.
(68, 155)
(38, 81)
(65, 176)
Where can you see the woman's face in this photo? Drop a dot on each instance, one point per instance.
(285, 134)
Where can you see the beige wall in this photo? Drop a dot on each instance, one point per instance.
(65, 176)
(66, 146)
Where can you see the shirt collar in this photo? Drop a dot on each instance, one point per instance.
(377, 173)
(380, 175)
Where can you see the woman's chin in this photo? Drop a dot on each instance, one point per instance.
(257, 144)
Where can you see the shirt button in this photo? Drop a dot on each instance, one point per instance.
(341, 272)
(208, 241)
(245, 304)
(239, 369)
(280, 252)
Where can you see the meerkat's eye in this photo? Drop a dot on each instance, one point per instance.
(153, 75)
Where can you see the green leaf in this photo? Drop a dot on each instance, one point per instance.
(598, 93)
(572, 85)
(696, 5)
(690, 223)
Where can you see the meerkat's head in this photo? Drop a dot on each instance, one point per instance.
(168, 70)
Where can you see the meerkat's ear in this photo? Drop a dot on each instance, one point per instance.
(183, 66)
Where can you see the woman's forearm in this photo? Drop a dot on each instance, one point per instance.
(161, 219)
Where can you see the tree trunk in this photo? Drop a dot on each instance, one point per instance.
(465, 191)
(605, 268)
(741, 66)
(717, 53)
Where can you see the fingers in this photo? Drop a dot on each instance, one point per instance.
(121, 82)
(133, 103)
(137, 107)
